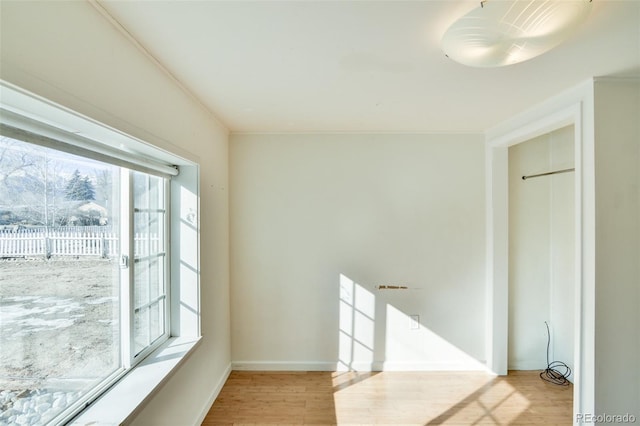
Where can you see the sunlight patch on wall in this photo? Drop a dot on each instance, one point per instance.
(186, 252)
(411, 346)
(376, 336)
(357, 326)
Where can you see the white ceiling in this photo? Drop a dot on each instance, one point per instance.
(361, 66)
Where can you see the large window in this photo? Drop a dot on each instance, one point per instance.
(83, 276)
(99, 264)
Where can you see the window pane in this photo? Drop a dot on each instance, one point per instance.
(149, 260)
(59, 280)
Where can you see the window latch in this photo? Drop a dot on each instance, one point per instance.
(124, 261)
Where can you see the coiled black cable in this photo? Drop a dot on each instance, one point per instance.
(557, 372)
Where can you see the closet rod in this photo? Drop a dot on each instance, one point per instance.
(547, 173)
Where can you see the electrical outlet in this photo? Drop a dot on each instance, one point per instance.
(415, 322)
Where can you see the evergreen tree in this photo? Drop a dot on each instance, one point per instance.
(79, 188)
(88, 191)
(72, 190)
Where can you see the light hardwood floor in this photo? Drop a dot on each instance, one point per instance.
(392, 398)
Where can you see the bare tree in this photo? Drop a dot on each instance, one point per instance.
(29, 182)
(13, 158)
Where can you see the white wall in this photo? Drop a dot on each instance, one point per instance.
(67, 52)
(617, 165)
(541, 251)
(319, 221)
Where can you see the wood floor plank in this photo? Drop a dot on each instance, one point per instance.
(393, 398)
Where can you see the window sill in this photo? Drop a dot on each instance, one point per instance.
(122, 401)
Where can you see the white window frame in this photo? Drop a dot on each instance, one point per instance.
(127, 278)
(126, 391)
(136, 357)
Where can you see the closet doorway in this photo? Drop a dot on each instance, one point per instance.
(541, 252)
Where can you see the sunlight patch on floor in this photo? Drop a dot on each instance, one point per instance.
(426, 398)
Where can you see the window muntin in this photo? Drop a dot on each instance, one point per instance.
(149, 255)
(68, 306)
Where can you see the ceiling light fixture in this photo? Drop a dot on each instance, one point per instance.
(504, 32)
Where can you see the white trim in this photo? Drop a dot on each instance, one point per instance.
(122, 402)
(356, 366)
(284, 366)
(574, 106)
(497, 246)
(585, 365)
(214, 394)
(126, 272)
(521, 125)
(426, 366)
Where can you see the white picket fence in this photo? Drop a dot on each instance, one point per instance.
(28, 244)
(104, 244)
(146, 244)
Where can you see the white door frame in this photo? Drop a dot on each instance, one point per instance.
(574, 107)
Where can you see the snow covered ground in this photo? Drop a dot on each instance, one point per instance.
(58, 334)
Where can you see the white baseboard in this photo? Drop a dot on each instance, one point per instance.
(283, 366)
(354, 366)
(429, 366)
(214, 394)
